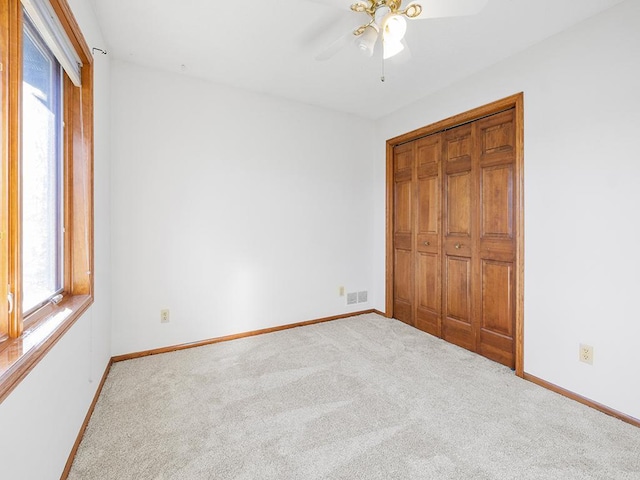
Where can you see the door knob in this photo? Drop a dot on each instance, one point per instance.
(426, 244)
(458, 245)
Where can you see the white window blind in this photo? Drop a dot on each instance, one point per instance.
(46, 22)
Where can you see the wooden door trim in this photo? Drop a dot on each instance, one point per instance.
(517, 103)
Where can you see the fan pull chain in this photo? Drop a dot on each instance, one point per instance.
(382, 76)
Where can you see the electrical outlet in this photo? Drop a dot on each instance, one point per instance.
(352, 298)
(586, 353)
(341, 291)
(164, 315)
(362, 296)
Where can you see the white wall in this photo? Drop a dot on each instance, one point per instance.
(582, 172)
(41, 418)
(237, 211)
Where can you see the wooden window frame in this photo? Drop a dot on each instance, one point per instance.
(29, 339)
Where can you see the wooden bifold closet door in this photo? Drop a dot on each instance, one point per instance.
(454, 237)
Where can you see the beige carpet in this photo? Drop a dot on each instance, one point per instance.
(360, 398)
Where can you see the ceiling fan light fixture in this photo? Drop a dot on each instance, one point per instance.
(394, 28)
(359, 7)
(367, 41)
(414, 10)
(381, 14)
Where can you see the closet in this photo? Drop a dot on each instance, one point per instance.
(454, 235)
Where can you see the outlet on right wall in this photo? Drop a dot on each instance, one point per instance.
(582, 197)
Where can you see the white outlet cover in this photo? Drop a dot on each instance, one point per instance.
(586, 354)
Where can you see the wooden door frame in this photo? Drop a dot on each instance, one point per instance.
(517, 103)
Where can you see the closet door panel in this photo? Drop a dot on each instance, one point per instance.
(428, 206)
(403, 224)
(428, 293)
(497, 326)
(458, 216)
(403, 162)
(403, 233)
(403, 286)
(459, 191)
(497, 297)
(428, 245)
(429, 152)
(497, 135)
(496, 242)
(457, 327)
(457, 278)
(497, 202)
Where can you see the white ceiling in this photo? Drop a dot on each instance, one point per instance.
(270, 47)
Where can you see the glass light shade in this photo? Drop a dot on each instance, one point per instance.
(367, 41)
(395, 27)
(392, 48)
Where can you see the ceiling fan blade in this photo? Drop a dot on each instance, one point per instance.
(449, 8)
(335, 46)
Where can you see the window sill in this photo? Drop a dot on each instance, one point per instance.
(19, 356)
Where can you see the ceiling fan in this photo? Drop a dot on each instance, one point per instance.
(387, 22)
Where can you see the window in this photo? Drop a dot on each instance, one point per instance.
(41, 162)
(46, 173)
